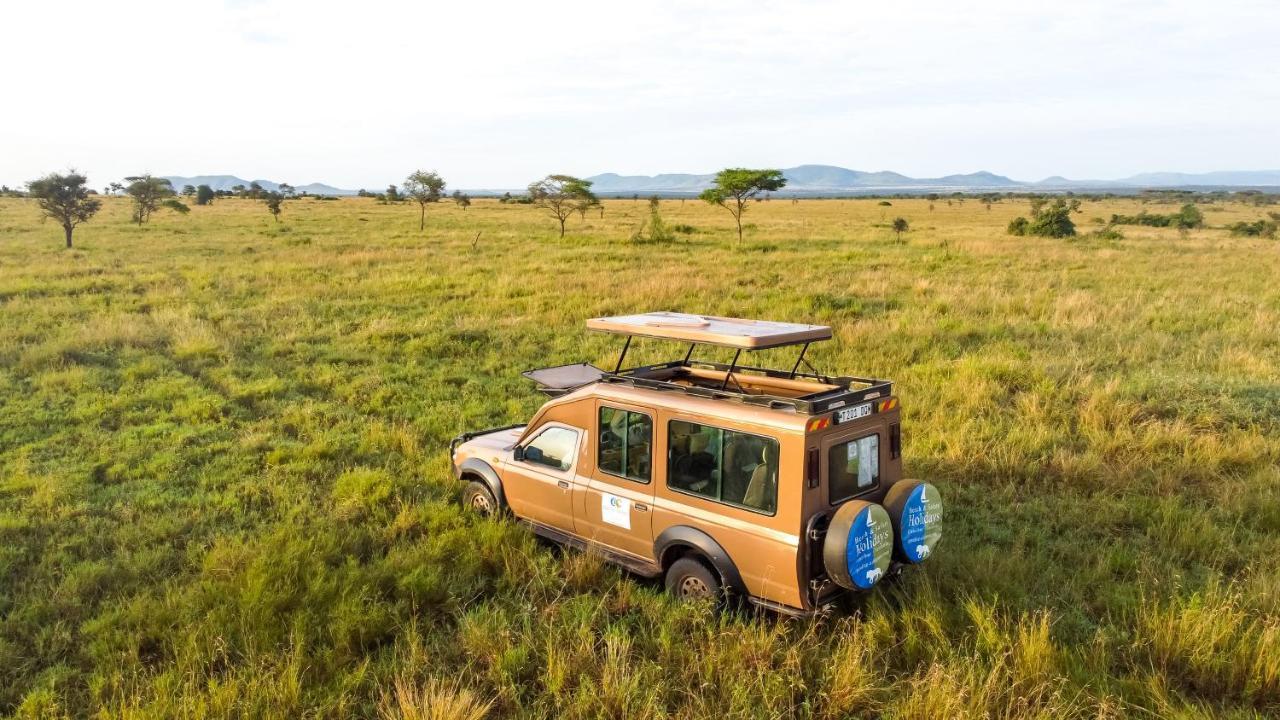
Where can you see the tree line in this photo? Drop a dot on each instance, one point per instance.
(68, 199)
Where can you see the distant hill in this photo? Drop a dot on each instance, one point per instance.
(833, 180)
(226, 182)
(1231, 178)
(828, 180)
(807, 179)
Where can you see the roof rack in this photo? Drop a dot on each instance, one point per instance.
(676, 376)
(848, 390)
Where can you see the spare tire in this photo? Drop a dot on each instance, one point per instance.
(859, 545)
(916, 509)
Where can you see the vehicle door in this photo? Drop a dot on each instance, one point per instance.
(538, 481)
(616, 511)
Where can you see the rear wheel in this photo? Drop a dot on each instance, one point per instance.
(478, 498)
(690, 580)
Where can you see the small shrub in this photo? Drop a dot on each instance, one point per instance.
(1257, 228)
(658, 231)
(1018, 226)
(885, 203)
(684, 229)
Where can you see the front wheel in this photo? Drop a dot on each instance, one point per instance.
(690, 580)
(478, 498)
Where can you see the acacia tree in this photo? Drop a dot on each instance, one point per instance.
(64, 198)
(733, 187)
(423, 187)
(274, 202)
(148, 194)
(204, 195)
(900, 226)
(562, 195)
(463, 199)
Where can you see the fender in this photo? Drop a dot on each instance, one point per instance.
(476, 466)
(685, 536)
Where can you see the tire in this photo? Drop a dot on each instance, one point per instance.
(858, 548)
(916, 509)
(478, 498)
(689, 580)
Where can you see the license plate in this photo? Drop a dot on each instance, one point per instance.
(853, 413)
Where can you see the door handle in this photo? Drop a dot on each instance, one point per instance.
(641, 507)
(563, 483)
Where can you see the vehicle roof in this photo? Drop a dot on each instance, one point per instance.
(692, 405)
(710, 330)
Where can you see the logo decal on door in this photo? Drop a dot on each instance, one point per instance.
(615, 510)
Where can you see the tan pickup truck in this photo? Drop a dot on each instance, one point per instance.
(782, 487)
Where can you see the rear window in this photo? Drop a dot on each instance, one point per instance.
(853, 467)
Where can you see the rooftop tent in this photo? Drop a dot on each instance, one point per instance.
(710, 330)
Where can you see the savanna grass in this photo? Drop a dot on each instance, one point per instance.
(224, 490)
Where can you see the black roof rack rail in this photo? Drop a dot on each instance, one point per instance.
(849, 390)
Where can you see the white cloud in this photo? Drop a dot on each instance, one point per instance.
(495, 94)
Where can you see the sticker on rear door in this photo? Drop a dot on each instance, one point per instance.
(615, 510)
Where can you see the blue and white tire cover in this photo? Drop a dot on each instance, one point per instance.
(859, 545)
(916, 509)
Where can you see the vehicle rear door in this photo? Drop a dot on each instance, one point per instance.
(616, 510)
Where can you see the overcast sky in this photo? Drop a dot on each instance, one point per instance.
(493, 95)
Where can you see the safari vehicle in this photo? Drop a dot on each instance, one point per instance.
(782, 487)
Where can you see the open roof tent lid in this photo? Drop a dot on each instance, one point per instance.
(711, 330)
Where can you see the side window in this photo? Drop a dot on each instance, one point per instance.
(553, 448)
(727, 466)
(852, 467)
(626, 443)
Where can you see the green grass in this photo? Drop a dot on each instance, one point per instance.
(224, 490)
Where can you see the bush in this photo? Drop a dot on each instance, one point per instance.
(1257, 228)
(1107, 233)
(176, 205)
(1047, 219)
(1185, 219)
(1053, 220)
(658, 230)
(885, 203)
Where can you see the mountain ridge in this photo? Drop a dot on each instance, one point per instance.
(226, 182)
(814, 179)
(826, 179)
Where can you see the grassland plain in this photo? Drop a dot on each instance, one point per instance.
(224, 490)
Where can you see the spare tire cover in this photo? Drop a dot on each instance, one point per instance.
(859, 545)
(916, 509)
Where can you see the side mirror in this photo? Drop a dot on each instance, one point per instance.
(518, 453)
